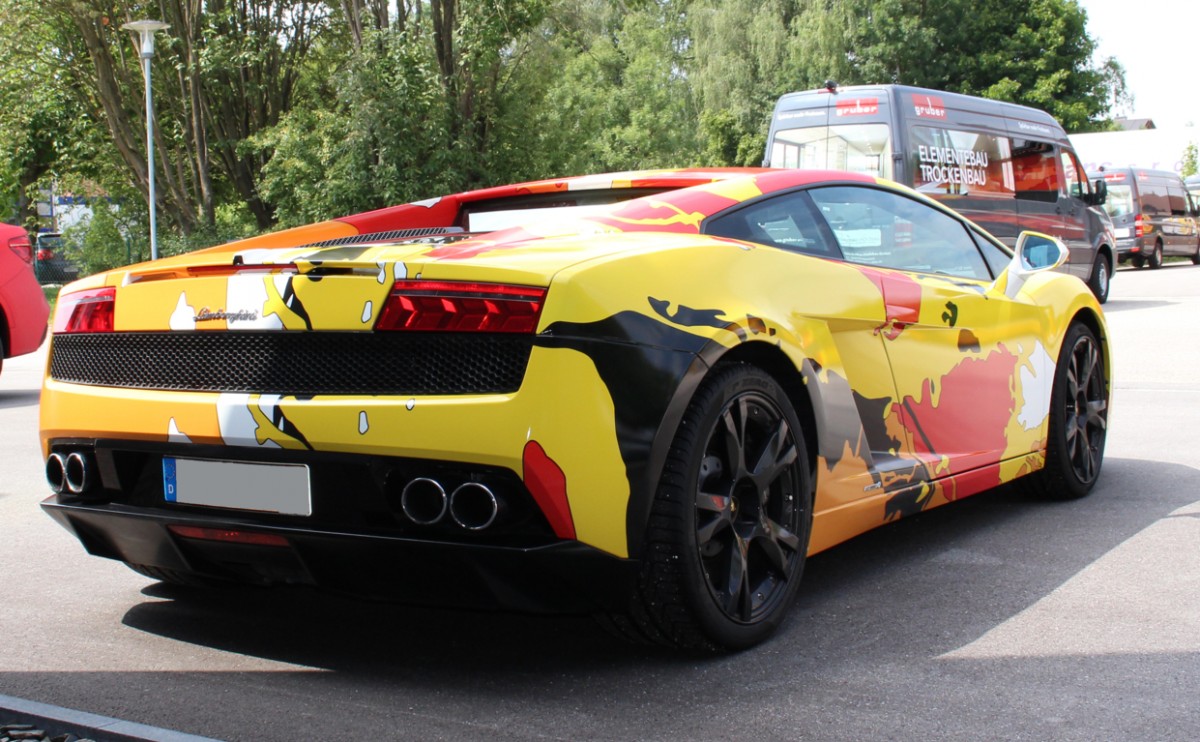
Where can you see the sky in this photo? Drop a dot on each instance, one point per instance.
(1152, 40)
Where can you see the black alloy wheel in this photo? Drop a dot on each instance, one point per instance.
(730, 526)
(1078, 419)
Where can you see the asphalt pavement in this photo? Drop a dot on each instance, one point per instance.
(998, 618)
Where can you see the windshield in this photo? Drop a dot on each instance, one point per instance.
(859, 148)
(1119, 201)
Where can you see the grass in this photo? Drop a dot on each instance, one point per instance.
(52, 297)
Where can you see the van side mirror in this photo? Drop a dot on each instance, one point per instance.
(1035, 253)
(1099, 192)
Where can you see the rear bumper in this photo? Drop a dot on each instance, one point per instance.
(564, 577)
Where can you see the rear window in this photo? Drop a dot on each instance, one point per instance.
(859, 148)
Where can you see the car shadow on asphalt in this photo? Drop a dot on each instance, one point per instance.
(1125, 305)
(919, 587)
(23, 398)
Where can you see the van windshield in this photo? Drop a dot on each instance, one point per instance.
(859, 148)
(1119, 201)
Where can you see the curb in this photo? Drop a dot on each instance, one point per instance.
(55, 720)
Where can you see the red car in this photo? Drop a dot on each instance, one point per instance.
(23, 307)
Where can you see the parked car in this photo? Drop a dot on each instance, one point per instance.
(50, 265)
(1007, 167)
(648, 396)
(1153, 216)
(23, 308)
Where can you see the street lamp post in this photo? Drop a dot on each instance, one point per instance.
(145, 30)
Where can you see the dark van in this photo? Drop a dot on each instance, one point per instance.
(1153, 215)
(1006, 167)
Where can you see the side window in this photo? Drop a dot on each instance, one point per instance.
(1074, 176)
(1035, 170)
(788, 221)
(1178, 199)
(881, 228)
(1154, 198)
(996, 256)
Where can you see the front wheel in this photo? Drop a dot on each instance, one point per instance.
(1101, 276)
(729, 529)
(1078, 419)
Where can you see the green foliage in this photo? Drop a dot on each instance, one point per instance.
(284, 112)
(98, 244)
(1190, 164)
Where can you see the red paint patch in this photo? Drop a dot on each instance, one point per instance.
(969, 421)
(548, 485)
(901, 294)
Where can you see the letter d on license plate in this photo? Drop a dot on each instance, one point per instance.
(266, 488)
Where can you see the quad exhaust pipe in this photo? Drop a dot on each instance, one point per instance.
(472, 505)
(72, 473)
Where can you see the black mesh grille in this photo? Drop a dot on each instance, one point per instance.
(396, 234)
(294, 363)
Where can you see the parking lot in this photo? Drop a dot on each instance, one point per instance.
(1000, 617)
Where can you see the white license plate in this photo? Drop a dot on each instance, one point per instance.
(1122, 232)
(265, 488)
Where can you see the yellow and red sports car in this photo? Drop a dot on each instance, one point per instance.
(645, 395)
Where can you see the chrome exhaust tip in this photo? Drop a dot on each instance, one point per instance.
(423, 501)
(56, 473)
(474, 506)
(77, 473)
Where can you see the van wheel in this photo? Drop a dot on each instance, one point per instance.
(1196, 256)
(1155, 259)
(1100, 281)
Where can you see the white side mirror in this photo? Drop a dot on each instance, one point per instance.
(1035, 253)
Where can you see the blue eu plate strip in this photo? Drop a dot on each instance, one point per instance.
(170, 486)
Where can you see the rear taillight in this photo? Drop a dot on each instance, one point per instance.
(1139, 226)
(22, 247)
(85, 311)
(454, 306)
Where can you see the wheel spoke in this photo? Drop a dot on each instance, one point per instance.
(735, 437)
(1097, 414)
(778, 454)
(737, 591)
(778, 544)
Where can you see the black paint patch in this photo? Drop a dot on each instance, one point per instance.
(642, 362)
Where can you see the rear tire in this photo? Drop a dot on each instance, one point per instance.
(1078, 420)
(1196, 256)
(1155, 258)
(728, 533)
(1138, 261)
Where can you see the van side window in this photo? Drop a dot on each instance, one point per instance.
(953, 162)
(1035, 170)
(1154, 197)
(1178, 199)
(880, 228)
(789, 222)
